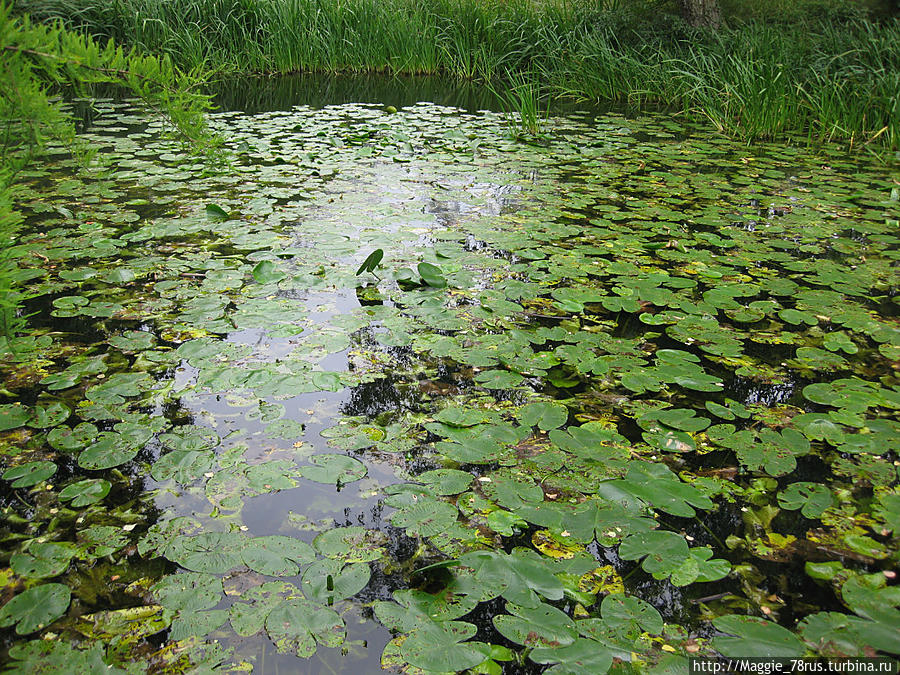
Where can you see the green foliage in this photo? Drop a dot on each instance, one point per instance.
(820, 67)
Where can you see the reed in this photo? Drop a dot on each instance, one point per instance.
(834, 79)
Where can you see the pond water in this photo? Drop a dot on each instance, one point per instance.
(390, 388)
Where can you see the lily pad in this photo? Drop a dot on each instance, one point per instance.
(30, 473)
(35, 608)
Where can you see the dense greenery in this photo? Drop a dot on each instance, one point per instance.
(633, 391)
(37, 63)
(818, 68)
(391, 388)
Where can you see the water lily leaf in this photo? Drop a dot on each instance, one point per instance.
(350, 544)
(71, 439)
(249, 617)
(425, 518)
(630, 616)
(498, 379)
(370, 264)
(546, 415)
(505, 522)
(133, 341)
(210, 552)
(30, 473)
(541, 626)
(216, 213)
(185, 466)
(582, 657)
(85, 492)
(512, 490)
(13, 415)
(446, 481)
(818, 427)
(46, 416)
(266, 272)
(888, 509)
(35, 608)
(327, 581)
(813, 499)
(455, 416)
(42, 559)
(297, 626)
(839, 341)
(658, 486)
(276, 556)
(699, 567)
(797, 317)
(835, 634)
(196, 624)
(109, 450)
(188, 591)
(663, 552)
(432, 275)
(334, 469)
(443, 647)
(775, 460)
(756, 636)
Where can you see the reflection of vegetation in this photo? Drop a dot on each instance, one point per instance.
(820, 67)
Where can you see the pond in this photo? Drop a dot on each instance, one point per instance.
(391, 389)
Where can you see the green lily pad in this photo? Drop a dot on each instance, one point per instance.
(328, 581)
(444, 647)
(334, 469)
(30, 473)
(46, 416)
(85, 492)
(276, 556)
(350, 544)
(756, 636)
(297, 626)
(541, 626)
(35, 608)
(13, 415)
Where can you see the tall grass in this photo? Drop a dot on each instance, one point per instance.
(834, 79)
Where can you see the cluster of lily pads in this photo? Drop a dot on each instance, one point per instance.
(606, 403)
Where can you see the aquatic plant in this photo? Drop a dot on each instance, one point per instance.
(831, 75)
(620, 412)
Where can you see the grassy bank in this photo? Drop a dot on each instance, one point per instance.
(833, 77)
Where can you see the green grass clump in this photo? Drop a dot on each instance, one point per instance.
(817, 67)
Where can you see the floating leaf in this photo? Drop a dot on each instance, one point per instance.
(756, 636)
(811, 498)
(350, 544)
(297, 626)
(545, 415)
(30, 473)
(276, 556)
(216, 213)
(541, 626)
(266, 272)
(334, 469)
(328, 581)
(442, 647)
(42, 559)
(35, 608)
(85, 492)
(13, 415)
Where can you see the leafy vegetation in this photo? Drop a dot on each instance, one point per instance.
(473, 403)
(826, 69)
